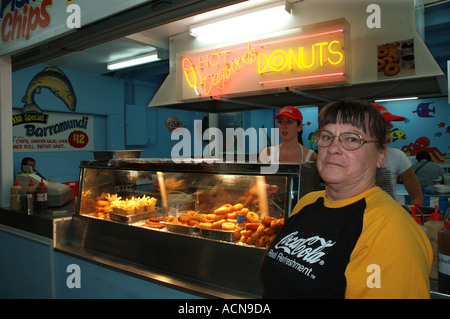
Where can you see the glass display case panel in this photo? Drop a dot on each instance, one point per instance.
(231, 207)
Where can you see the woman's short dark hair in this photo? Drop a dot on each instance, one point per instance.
(423, 155)
(358, 113)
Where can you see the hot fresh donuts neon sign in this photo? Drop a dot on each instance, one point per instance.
(301, 59)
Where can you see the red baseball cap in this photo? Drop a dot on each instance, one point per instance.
(388, 117)
(290, 111)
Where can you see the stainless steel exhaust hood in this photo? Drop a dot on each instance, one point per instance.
(397, 24)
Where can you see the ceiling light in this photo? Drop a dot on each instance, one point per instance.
(253, 22)
(397, 99)
(142, 59)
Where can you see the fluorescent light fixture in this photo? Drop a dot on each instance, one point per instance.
(397, 99)
(250, 23)
(142, 59)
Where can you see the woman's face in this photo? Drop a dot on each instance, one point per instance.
(288, 128)
(349, 171)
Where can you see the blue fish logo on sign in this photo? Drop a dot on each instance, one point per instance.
(424, 110)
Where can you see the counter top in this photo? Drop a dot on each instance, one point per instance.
(39, 224)
(44, 225)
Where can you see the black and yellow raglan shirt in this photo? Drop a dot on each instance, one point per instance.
(366, 246)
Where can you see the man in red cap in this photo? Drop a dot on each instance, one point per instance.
(397, 161)
(290, 150)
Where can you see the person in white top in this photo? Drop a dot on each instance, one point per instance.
(397, 161)
(290, 150)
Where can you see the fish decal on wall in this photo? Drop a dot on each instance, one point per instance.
(57, 82)
(424, 110)
(397, 134)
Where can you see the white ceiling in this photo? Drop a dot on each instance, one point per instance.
(94, 59)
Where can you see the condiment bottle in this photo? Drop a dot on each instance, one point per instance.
(15, 197)
(418, 219)
(444, 256)
(41, 197)
(31, 190)
(433, 225)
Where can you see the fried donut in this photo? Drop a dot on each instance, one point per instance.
(219, 217)
(205, 225)
(221, 210)
(252, 217)
(393, 53)
(238, 207)
(382, 51)
(228, 226)
(387, 59)
(381, 64)
(391, 69)
(193, 222)
(267, 220)
(252, 226)
(232, 215)
(243, 211)
(218, 224)
(191, 213)
(184, 218)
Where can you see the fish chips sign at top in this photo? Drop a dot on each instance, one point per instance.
(312, 57)
(25, 23)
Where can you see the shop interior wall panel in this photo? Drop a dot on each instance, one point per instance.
(97, 282)
(135, 124)
(25, 267)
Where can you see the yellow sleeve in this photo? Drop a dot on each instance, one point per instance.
(392, 258)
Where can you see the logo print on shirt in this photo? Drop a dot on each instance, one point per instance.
(304, 249)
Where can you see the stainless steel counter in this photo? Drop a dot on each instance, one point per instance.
(202, 267)
(208, 268)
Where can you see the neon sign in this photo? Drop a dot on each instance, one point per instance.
(228, 67)
(295, 60)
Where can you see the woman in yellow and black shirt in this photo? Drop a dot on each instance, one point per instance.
(351, 240)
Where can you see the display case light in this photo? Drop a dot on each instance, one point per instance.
(397, 99)
(142, 59)
(249, 23)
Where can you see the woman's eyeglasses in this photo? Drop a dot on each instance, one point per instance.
(349, 141)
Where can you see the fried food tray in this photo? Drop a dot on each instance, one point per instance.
(180, 229)
(132, 218)
(219, 234)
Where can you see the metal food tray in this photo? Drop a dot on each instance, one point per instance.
(180, 229)
(129, 219)
(219, 234)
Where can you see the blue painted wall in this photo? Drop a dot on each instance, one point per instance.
(107, 99)
(123, 121)
(426, 127)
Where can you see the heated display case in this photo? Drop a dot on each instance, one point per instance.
(207, 200)
(208, 223)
